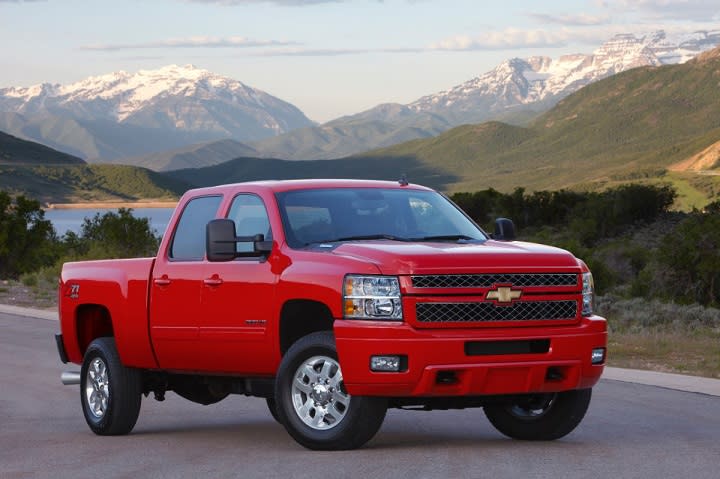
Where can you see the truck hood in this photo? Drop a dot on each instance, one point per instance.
(397, 258)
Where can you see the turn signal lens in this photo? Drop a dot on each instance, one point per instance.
(372, 297)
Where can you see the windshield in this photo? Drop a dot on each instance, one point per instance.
(346, 214)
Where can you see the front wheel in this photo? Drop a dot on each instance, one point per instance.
(110, 393)
(312, 403)
(540, 417)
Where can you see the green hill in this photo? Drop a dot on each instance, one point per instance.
(249, 169)
(650, 125)
(15, 151)
(82, 183)
(193, 156)
(632, 126)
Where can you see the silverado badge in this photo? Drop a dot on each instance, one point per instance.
(503, 294)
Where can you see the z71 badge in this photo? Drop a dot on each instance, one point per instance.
(72, 291)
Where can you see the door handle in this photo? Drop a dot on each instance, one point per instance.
(214, 281)
(162, 281)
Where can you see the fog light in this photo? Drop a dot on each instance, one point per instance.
(385, 363)
(598, 356)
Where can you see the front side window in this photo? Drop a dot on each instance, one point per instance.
(251, 218)
(347, 214)
(188, 243)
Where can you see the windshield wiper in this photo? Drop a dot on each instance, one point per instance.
(445, 238)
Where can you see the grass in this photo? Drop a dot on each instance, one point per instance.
(666, 352)
(667, 337)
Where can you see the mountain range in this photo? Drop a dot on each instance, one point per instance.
(515, 91)
(129, 114)
(657, 124)
(161, 118)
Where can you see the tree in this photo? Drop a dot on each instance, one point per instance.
(27, 240)
(113, 235)
(691, 254)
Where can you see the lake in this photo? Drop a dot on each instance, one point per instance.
(64, 220)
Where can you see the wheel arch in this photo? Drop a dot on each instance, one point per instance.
(92, 321)
(300, 317)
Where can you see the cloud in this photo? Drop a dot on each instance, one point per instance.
(286, 3)
(571, 20)
(333, 52)
(506, 39)
(192, 42)
(677, 10)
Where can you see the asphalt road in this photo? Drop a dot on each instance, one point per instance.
(631, 431)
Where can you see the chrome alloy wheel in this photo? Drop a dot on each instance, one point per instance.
(318, 393)
(535, 408)
(97, 388)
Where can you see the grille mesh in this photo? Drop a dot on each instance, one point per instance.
(489, 280)
(486, 312)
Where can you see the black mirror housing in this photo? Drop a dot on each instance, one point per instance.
(504, 230)
(221, 242)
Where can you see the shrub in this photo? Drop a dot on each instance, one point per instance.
(27, 240)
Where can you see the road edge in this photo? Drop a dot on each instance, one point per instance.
(678, 382)
(47, 314)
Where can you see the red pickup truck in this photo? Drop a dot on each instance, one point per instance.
(335, 300)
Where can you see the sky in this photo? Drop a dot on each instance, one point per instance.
(327, 57)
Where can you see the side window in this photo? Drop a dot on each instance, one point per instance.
(250, 217)
(189, 240)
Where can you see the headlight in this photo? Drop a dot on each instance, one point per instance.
(372, 297)
(588, 294)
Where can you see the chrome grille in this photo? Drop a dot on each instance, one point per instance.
(489, 280)
(487, 312)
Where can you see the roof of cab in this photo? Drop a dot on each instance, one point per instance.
(289, 185)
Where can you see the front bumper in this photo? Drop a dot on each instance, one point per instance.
(433, 355)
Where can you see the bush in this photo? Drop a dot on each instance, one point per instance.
(27, 240)
(112, 235)
(690, 256)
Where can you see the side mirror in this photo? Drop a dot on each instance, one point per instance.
(504, 230)
(221, 242)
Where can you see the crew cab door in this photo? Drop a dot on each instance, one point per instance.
(237, 301)
(176, 287)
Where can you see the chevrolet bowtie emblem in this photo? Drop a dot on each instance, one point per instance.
(503, 294)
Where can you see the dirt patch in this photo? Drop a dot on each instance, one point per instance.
(705, 160)
(41, 296)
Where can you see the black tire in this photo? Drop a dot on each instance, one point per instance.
(542, 417)
(117, 390)
(272, 407)
(344, 421)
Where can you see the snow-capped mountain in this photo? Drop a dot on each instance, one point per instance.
(183, 102)
(539, 82)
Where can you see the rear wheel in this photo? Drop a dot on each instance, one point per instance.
(540, 417)
(110, 393)
(312, 403)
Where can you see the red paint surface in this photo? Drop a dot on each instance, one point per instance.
(223, 318)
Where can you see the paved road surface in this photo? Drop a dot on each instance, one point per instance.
(631, 431)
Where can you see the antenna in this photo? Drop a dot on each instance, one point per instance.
(403, 181)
